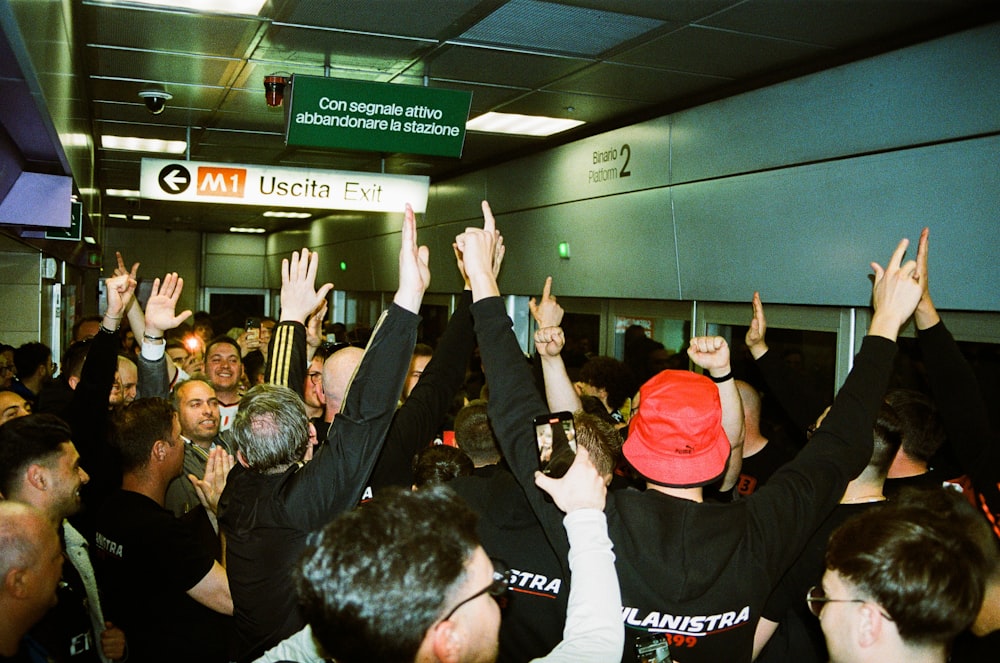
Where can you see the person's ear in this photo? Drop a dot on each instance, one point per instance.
(15, 583)
(37, 476)
(241, 460)
(869, 625)
(446, 642)
(72, 381)
(160, 450)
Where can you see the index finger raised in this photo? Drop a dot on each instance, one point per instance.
(489, 223)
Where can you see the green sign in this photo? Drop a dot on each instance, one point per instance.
(75, 230)
(376, 117)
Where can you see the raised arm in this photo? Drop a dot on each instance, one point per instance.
(156, 372)
(953, 383)
(549, 342)
(800, 401)
(287, 360)
(335, 478)
(712, 354)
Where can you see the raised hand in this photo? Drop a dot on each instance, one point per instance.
(299, 296)
(549, 341)
(710, 353)
(120, 289)
(926, 315)
(547, 312)
(895, 294)
(414, 271)
(314, 328)
(758, 328)
(210, 487)
(162, 304)
(499, 250)
(582, 487)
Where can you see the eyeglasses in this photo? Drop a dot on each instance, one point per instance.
(315, 377)
(816, 599)
(497, 589)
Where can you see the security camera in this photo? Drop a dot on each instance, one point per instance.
(156, 99)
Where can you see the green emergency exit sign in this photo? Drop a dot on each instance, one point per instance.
(75, 230)
(376, 117)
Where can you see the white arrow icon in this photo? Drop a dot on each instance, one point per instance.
(175, 179)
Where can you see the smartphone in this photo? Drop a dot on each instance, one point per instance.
(652, 648)
(253, 332)
(556, 437)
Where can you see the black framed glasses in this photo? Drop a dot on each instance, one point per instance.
(497, 588)
(816, 598)
(315, 377)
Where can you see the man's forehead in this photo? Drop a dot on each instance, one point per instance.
(223, 350)
(196, 389)
(10, 399)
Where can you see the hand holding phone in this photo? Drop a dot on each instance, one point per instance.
(556, 437)
(253, 333)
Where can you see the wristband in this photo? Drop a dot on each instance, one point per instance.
(113, 332)
(717, 380)
(147, 337)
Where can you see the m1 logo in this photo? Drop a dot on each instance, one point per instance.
(218, 181)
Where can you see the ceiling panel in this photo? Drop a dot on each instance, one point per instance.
(603, 61)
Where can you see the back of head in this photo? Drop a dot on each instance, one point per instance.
(271, 428)
(751, 403)
(924, 572)
(474, 435)
(137, 426)
(28, 357)
(887, 435)
(376, 579)
(676, 438)
(600, 438)
(440, 463)
(923, 432)
(338, 371)
(35, 438)
(19, 545)
(611, 375)
(73, 359)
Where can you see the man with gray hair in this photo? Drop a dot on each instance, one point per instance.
(272, 501)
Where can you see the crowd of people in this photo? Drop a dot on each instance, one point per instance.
(275, 499)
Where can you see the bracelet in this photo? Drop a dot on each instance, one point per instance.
(113, 332)
(717, 380)
(147, 337)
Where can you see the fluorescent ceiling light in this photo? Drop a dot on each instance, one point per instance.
(255, 231)
(247, 7)
(118, 216)
(288, 215)
(141, 217)
(122, 193)
(89, 240)
(135, 144)
(523, 125)
(74, 140)
(88, 191)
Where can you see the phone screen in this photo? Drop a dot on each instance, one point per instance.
(253, 332)
(556, 437)
(652, 648)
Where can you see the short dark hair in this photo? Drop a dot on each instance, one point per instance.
(137, 426)
(271, 428)
(923, 432)
(28, 357)
(82, 321)
(887, 434)
(611, 375)
(422, 350)
(34, 438)
(224, 340)
(74, 358)
(377, 578)
(924, 572)
(440, 463)
(474, 435)
(600, 438)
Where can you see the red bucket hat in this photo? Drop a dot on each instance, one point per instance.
(676, 439)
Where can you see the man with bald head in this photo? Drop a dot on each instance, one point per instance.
(30, 566)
